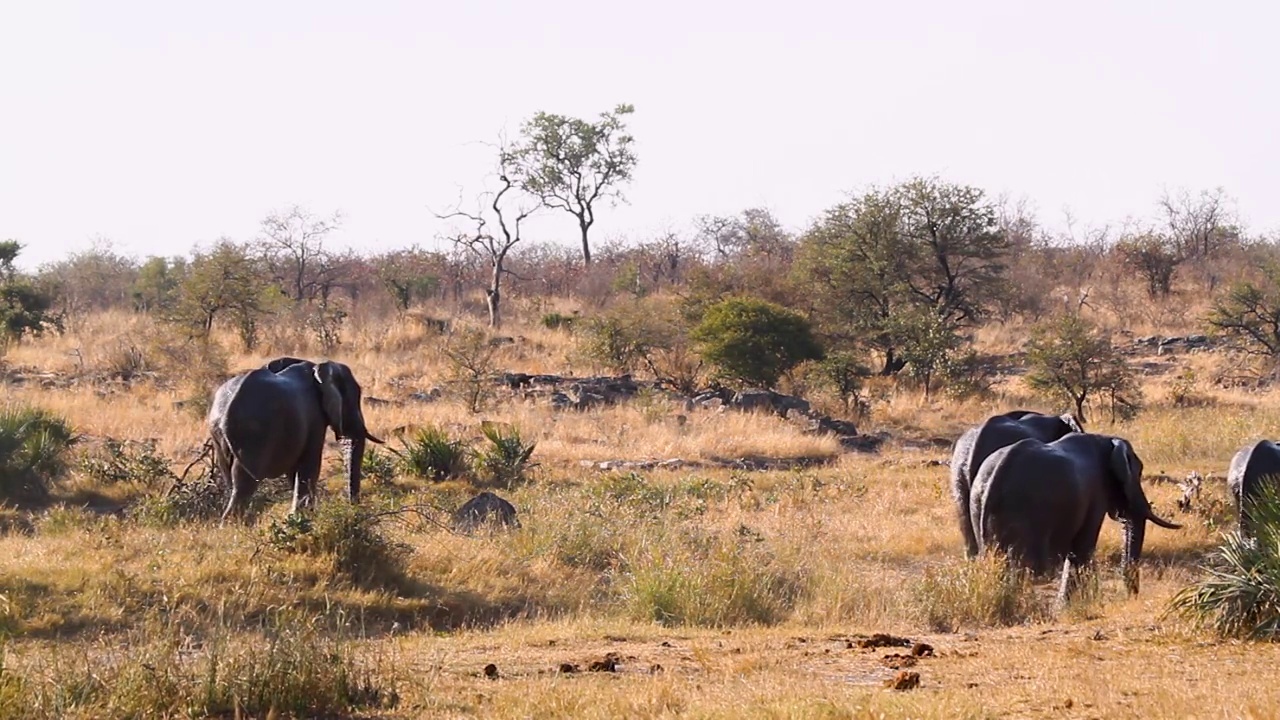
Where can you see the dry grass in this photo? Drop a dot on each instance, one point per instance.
(747, 588)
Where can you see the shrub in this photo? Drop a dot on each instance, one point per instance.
(33, 451)
(1071, 359)
(117, 461)
(378, 466)
(201, 499)
(558, 321)
(433, 455)
(506, 461)
(983, 592)
(753, 341)
(349, 536)
(472, 359)
(1239, 597)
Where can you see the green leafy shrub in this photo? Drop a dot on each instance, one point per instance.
(433, 455)
(34, 445)
(983, 592)
(194, 501)
(753, 341)
(119, 461)
(378, 466)
(558, 321)
(505, 462)
(1239, 596)
(350, 536)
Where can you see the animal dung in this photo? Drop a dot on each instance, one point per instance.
(904, 680)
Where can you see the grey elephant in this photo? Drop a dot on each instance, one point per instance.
(1253, 467)
(1043, 503)
(271, 422)
(997, 431)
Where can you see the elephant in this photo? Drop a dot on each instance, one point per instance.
(271, 422)
(995, 432)
(1043, 503)
(1253, 467)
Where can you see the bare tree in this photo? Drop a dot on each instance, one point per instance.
(294, 240)
(506, 211)
(1200, 224)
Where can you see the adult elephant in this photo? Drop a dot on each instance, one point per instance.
(977, 443)
(271, 422)
(1042, 503)
(1252, 468)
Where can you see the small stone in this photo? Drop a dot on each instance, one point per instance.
(491, 671)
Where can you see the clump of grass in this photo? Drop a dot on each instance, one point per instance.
(711, 582)
(292, 670)
(378, 466)
(350, 537)
(506, 461)
(34, 445)
(557, 321)
(1239, 596)
(983, 592)
(433, 455)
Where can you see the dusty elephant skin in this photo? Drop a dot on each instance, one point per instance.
(977, 443)
(1253, 467)
(1043, 503)
(270, 422)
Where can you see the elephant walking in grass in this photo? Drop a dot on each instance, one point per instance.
(1255, 466)
(994, 433)
(271, 422)
(1042, 503)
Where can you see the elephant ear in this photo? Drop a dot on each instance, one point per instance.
(330, 397)
(1126, 468)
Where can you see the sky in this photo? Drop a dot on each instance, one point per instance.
(159, 126)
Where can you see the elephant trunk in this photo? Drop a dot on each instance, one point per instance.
(1135, 530)
(353, 459)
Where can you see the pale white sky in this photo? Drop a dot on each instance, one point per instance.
(160, 125)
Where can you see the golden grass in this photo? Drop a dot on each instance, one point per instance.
(747, 588)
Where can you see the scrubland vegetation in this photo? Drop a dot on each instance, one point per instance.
(676, 555)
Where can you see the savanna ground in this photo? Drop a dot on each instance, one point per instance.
(698, 592)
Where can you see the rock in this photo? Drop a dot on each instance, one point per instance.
(864, 443)
(560, 401)
(609, 663)
(671, 464)
(784, 404)
(425, 397)
(879, 640)
(712, 403)
(922, 650)
(897, 661)
(485, 508)
(516, 380)
(501, 340)
(587, 400)
(568, 668)
(491, 671)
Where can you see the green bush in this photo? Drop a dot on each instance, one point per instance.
(34, 444)
(753, 341)
(558, 321)
(431, 454)
(117, 461)
(505, 462)
(1239, 596)
(350, 536)
(378, 466)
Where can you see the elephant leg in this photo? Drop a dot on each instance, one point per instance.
(966, 529)
(243, 485)
(304, 479)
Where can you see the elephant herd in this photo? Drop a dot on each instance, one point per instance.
(1033, 486)
(1037, 487)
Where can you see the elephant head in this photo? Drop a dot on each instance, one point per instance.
(340, 401)
(1130, 505)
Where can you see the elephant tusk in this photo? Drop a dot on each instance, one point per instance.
(1163, 523)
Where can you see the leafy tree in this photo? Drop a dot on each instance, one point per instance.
(226, 281)
(927, 345)
(409, 275)
(1248, 314)
(922, 245)
(156, 286)
(25, 307)
(572, 164)
(753, 341)
(1072, 359)
(1155, 258)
